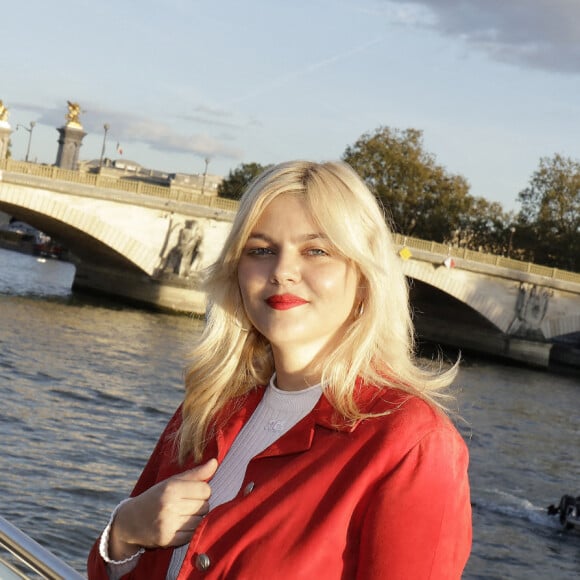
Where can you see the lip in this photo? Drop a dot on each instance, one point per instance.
(285, 301)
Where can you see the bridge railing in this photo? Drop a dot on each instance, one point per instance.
(176, 194)
(125, 185)
(483, 258)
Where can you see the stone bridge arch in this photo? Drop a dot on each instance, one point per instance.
(455, 284)
(84, 231)
(515, 307)
(131, 246)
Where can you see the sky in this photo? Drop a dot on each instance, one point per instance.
(494, 85)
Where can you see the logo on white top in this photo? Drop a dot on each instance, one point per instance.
(275, 425)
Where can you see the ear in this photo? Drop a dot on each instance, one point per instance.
(361, 296)
(362, 290)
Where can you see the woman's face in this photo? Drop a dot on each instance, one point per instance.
(297, 291)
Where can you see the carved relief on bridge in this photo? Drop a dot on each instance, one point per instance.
(181, 255)
(530, 310)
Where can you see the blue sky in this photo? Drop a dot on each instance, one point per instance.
(493, 84)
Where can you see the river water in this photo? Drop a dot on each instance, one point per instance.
(87, 385)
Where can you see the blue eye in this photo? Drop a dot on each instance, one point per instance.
(317, 252)
(259, 251)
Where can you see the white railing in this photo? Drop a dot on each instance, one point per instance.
(35, 557)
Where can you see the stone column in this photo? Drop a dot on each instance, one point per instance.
(69, 144)
(71, 136)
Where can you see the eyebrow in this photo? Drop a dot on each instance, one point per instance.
(304, 238)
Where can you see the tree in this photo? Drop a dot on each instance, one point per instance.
(423, 199)
(549, 218)
(238, 179)
(485, 226)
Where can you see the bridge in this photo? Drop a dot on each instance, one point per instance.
(492, 304)
(146, 243)
(128, 239)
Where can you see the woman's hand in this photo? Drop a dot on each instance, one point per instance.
(164, 515)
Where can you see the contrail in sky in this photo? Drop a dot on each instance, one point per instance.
(285, 79)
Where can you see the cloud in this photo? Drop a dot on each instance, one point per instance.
(542, 34)
(211, 121)
(127, 127)
(212, 111)
(161, 137)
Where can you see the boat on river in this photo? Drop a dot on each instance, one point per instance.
(568, 511)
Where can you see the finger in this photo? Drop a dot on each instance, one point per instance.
(191, 524)
(202, 472)
(183, 536)
(207, 469)
(203, 509)
(190, 506)
(184, 533)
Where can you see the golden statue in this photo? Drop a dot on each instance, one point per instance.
(74, 111)
(3, 112)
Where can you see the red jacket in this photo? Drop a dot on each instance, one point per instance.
(386, 498)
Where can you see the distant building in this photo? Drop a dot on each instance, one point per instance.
(133, 171)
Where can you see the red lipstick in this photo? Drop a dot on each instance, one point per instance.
(285, 301)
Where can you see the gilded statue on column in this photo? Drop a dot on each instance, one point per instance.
(3, 112)
(74, 111)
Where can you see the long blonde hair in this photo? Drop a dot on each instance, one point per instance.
(230, 357)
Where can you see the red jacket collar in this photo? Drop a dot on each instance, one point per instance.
(236, 413)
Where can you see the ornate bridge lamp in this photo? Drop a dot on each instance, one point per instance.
(29, 129)
(206, 160)
(512, 231)
(106, 127)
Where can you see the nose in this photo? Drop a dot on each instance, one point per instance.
(285, 268)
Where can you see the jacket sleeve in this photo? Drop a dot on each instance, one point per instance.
(418, 523)
(162, 454)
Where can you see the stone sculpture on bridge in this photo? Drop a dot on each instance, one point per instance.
(530, 310)
(185, 255)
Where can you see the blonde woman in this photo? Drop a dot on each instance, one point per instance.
(310, 442)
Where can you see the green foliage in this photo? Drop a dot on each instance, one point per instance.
(238, 179)
(422, 198)
(548, 227)
(485, 226)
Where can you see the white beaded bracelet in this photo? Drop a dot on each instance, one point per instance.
(104, 543)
